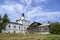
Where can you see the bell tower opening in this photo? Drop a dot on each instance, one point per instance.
(23, 14)
(22, 17)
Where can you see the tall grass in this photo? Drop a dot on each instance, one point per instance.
(28, 37)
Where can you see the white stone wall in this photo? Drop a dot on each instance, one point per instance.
(12, 29)
(22, 28)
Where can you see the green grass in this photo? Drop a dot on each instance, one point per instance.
(28, 37)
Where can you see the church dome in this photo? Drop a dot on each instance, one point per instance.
(21, 19)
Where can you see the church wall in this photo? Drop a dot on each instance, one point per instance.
(13, 29)
(21, 25)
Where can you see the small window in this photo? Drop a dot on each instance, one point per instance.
(46, 28)
(9, 26)
(19, 27)
(14, 26)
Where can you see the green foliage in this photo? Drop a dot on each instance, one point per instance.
(52, 38)
(0, 22)
(4, 22)
(5, 18)
(49, 22)
(0, 18)
(55, 28)
(8, 36)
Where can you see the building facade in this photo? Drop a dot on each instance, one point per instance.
(24, 26)
(19, 26)
(39, 28)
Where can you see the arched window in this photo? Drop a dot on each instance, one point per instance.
(14, 26)
(19, 27)
(46, 28)
(9, 26)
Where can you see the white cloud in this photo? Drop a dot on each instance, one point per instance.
(39, 1)
(33, 12)
(28, 2)
(48, 16)
(14, 10)
(40, 16)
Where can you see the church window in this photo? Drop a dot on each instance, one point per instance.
(19, 27)
(14, 26)
(46, 28)
(9, 26)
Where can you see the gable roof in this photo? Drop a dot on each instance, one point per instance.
(34, 24)
(43, 25)
(15, 23)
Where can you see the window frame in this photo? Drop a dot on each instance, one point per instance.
(9, 26)
(14, 26)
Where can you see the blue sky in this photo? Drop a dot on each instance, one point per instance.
(34, 10)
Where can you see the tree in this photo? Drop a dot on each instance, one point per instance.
(55, 28)
(0, 22)
(0, 18)
(5, 21)
(5, 18)
(49, 22)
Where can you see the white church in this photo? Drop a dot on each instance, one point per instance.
(19, 26)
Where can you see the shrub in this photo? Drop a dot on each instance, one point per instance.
(52, 38)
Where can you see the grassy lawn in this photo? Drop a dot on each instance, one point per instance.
(28, 37)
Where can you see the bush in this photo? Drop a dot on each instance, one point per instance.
(52, 38)
(55, 28)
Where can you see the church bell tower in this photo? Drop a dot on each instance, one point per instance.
(22, 17)
(23, 14)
